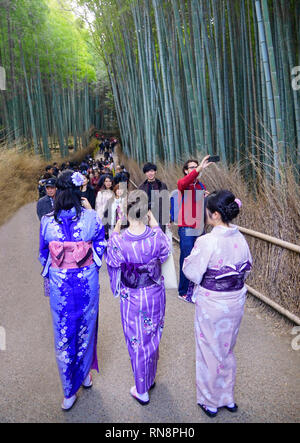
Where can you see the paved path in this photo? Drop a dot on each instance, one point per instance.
(267, 388)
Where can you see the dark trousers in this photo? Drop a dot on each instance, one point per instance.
(186, 245)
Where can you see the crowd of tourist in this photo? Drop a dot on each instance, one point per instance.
(99, 175)
(86, 214)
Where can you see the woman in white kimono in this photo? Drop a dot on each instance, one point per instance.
(217, 268)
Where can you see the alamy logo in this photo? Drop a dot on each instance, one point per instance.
(2, 79)
(296, 80)
(164, 205)
(296, 341)
(2, 339)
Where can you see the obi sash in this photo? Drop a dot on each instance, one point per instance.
(228, 278)
(137, 275)
(71, 255)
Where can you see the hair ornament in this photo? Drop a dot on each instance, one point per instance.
(77, 178)
(238, 202)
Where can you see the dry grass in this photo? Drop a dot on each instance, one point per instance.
(19, 176)
(274, 210)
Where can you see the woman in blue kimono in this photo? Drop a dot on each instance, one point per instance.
(72, 242)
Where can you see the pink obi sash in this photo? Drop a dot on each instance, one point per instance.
(71, 255)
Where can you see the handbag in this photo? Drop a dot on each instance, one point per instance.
(168, 269)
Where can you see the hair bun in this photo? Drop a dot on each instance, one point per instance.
(231, 211)
(223, 201)
(64, 180)
(64, 186)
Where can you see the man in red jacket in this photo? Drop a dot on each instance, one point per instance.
(190, 216)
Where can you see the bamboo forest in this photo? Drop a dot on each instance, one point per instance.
(180, 76)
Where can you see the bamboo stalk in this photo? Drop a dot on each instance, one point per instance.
(268, 80)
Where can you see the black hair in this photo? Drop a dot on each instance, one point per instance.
(103, 178)
(121, 177)
(149, 167)
(223, 201)
(137, 198)
(68, 195)
(47, 175)
(185, 166)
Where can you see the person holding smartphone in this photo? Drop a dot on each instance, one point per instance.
(189, 220)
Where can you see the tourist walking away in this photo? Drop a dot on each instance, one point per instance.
(71, 247)
(218, 266)
(160, 211)
(134, 261)
(190, 215)
(46, 203)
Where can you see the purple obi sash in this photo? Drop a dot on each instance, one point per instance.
(71, 255)
(228, 278)
(139, 275)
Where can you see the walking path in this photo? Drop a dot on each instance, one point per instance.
(267, 388)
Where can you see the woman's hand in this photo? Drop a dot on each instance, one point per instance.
(85, 203)
(151, 220)
(118, 226)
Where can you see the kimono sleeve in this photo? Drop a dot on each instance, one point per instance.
(165, 244)
(44, 253)
(196, 264)
(114, 255)
(99, 242)
(99, 204)
(114, 259)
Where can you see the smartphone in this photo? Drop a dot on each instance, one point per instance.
(214, 158)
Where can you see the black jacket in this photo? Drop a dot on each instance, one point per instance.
(157, 185)
(90, 195)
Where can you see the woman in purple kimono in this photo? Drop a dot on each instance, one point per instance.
(71, 247)
(134, 261)
(217, 266)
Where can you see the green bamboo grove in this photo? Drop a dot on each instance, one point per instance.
(56, 85)
(203, 75)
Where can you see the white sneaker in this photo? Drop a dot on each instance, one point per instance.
(68, 403)
(87, 382)
(143, 399)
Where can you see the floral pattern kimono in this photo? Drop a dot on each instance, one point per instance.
(217, 266)
(71, 253)
(134, 265)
